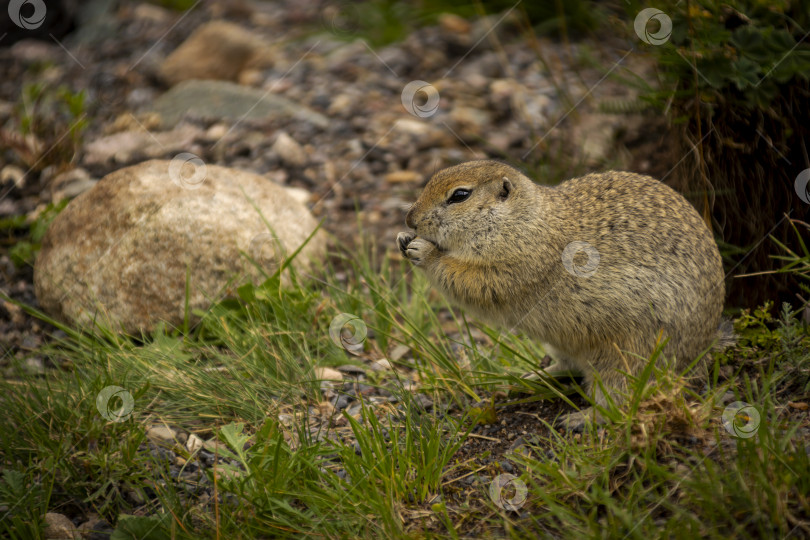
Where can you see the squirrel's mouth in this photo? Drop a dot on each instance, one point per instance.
(435, 243)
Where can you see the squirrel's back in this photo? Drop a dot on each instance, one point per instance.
(656, 259)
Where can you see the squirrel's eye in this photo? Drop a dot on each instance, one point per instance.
(459, 195)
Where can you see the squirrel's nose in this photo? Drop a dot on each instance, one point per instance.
(409, 219)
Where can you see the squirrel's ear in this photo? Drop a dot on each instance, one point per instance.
(506, 188)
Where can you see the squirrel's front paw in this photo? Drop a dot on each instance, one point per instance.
(415, 250)
(403, 239)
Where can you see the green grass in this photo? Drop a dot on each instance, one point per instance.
(244, 375)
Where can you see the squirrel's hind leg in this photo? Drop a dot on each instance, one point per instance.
(598, 384)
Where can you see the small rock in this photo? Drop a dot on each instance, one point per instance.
(352, 369)
(414, 127)
(12, 312)
(424, 401)
(327, 374)
(354, 410)
(470, 119)
(194, 443)
(340, 105)
(452, 23)
(151, 13)
(96, 529)
(216, 132)
(161, 433)
(290, 152)
(502, 94)
(403, 177)
(216, 50)
(34, 365)
(58, 526)
(398, 352)
(383, 364)
(71, 184)
(251, 77)
(410, 386)
(12, 174)
(340, 402)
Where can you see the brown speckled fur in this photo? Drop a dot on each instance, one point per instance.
(498, 255)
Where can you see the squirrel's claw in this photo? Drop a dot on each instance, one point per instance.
(416, 250)
(403, 239)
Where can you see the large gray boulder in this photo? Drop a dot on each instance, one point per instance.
(119, 252)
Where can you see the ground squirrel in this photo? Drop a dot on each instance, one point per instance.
(597, 268)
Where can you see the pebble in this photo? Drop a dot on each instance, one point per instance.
(34, 365)
(354, 410)
(161, 454)
(340, 402)
(403, 177)
(58, 526)
(506, 466)
(341, 105)
(161, 433)
(96, 529)
(383, 364)
(327, 374)
(424, 401)
(194, 443)
(398, 352)
(12, 174)
(352, 369)
(454, 24)
(290, 152)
